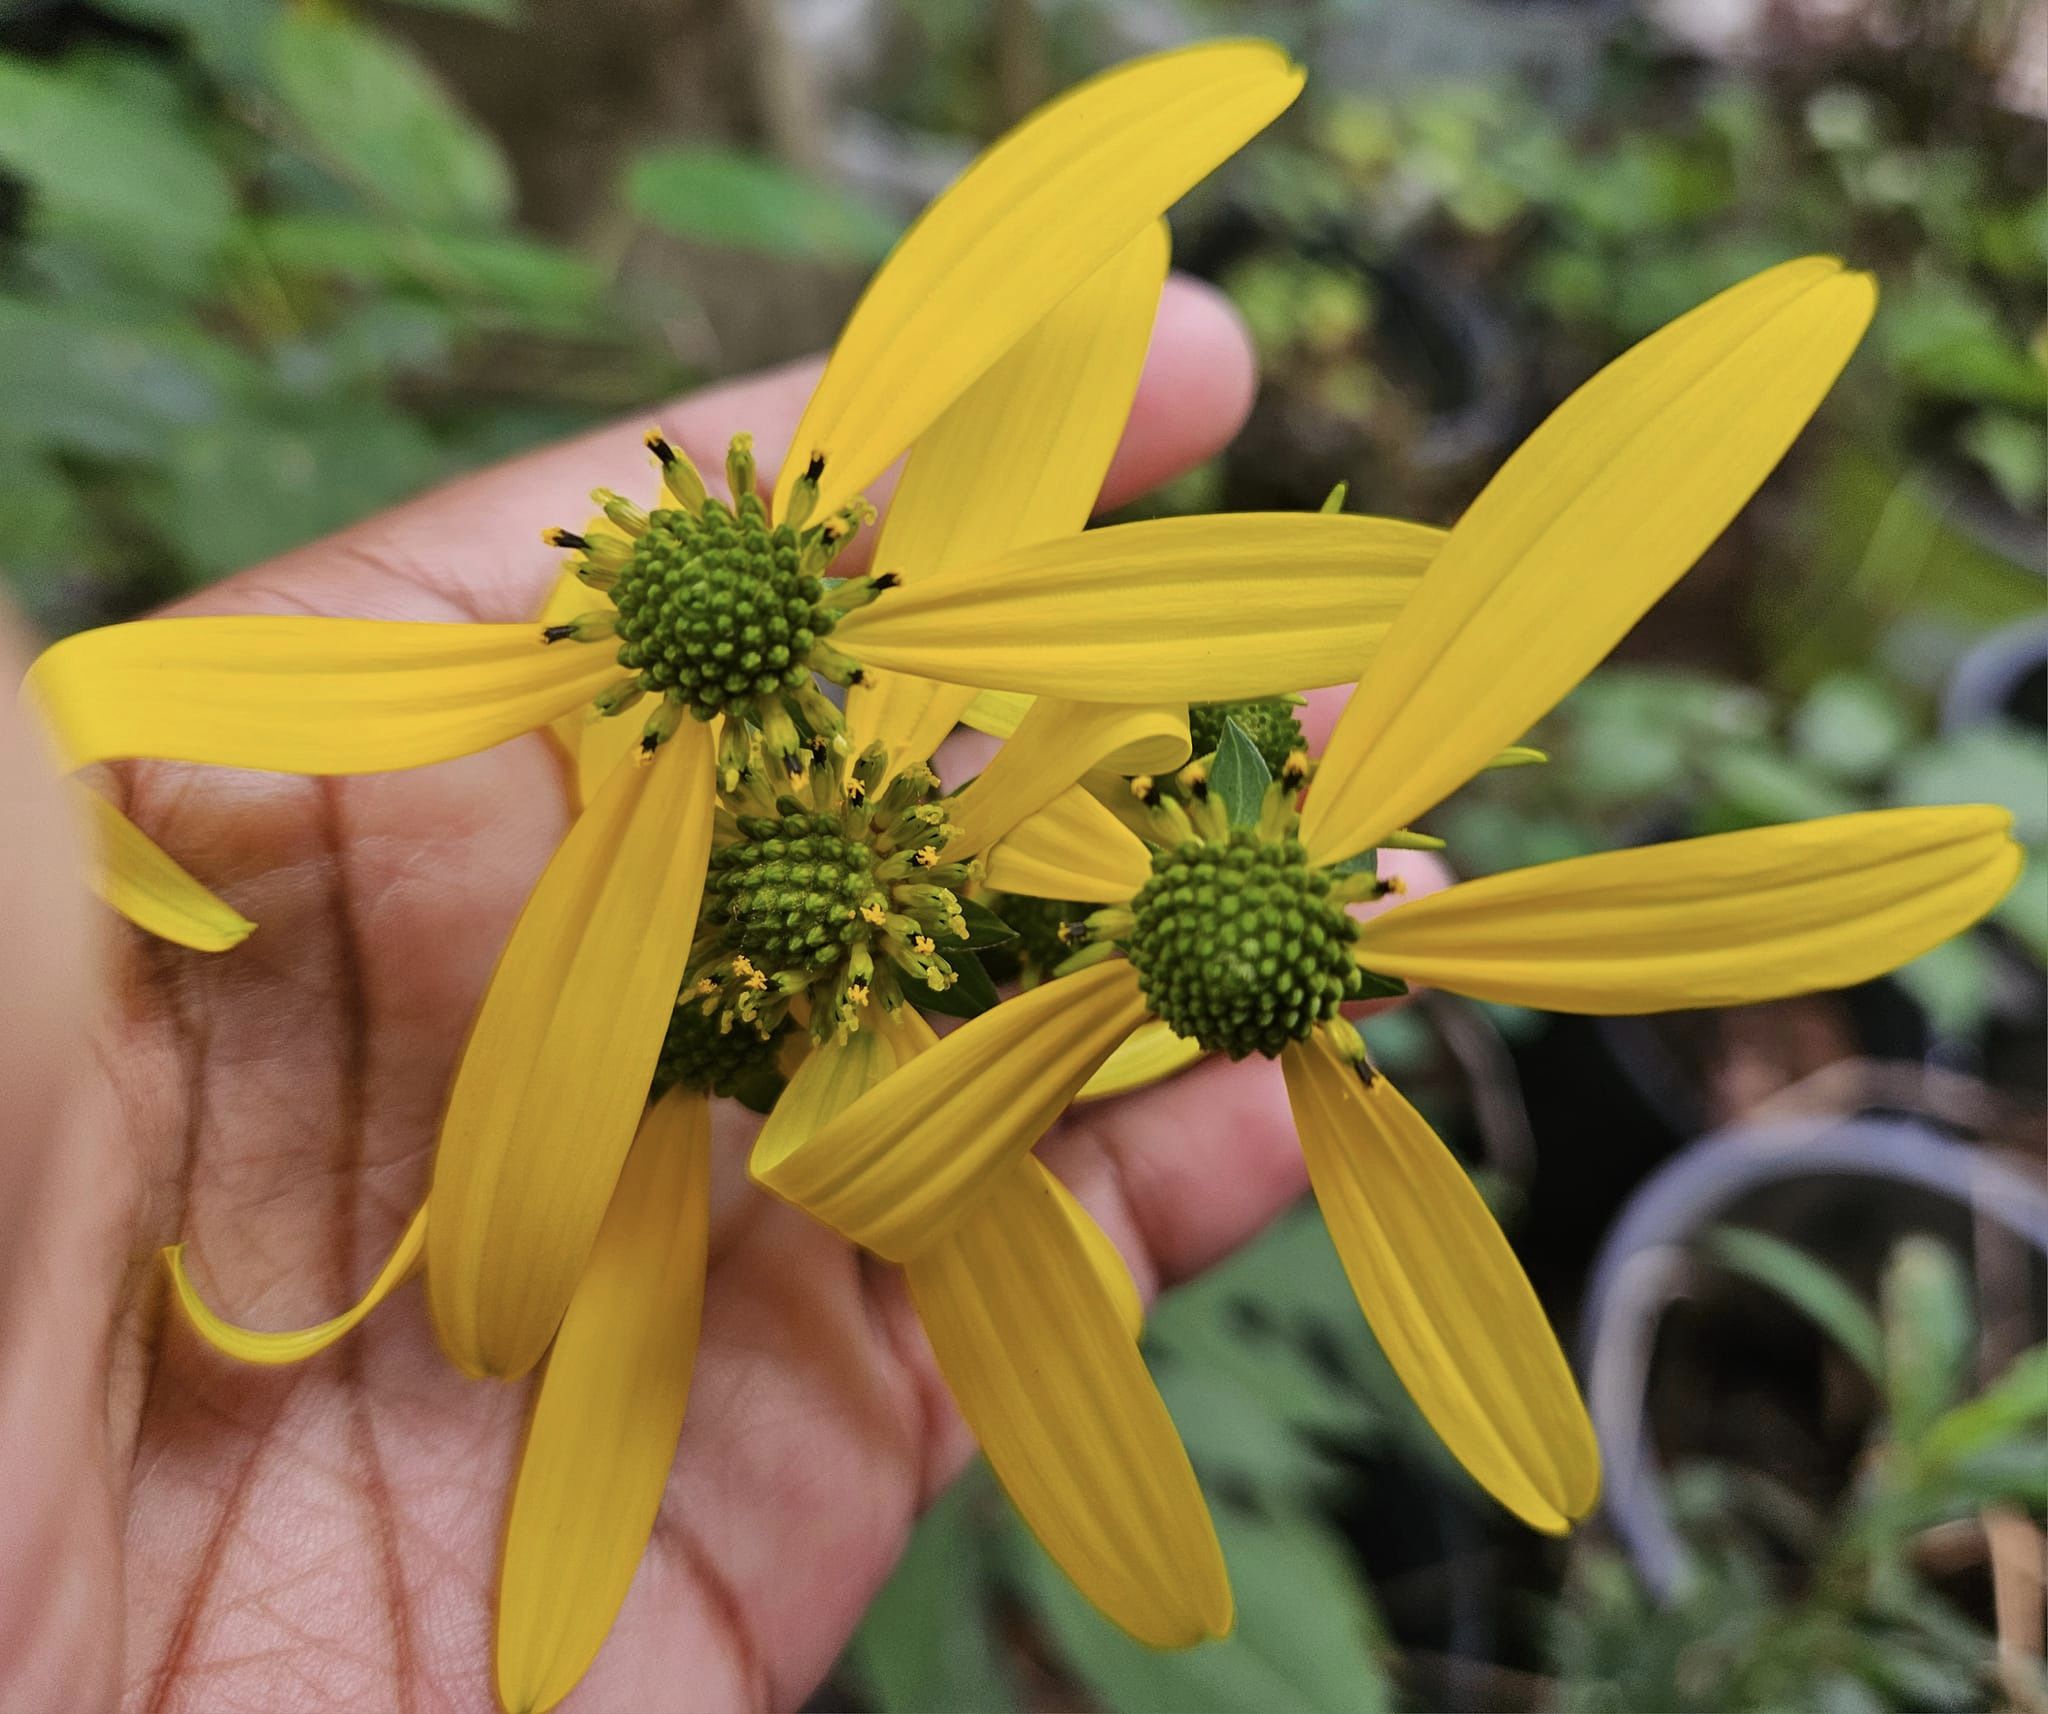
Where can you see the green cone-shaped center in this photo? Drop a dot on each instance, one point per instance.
(716, 1055)
(716, 610)
(792, 896)
(1238, 945)
(1268, 721)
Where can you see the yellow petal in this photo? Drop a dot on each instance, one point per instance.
(1071, 849)
(138, 878)
(556, 1071)
(1112, 1272)
(997, 712)
(1019, 458)
(1057, 743)
(907, 1159)
(831, 1078)
(1049, 1379)
(1150, 1055)
(1599, 512)
(307, 696)
(1170, 610)
(1445, 1296)
(1708, 922)
(594, 743)
(1035, 215)
(271, 1349)
(603, 1432)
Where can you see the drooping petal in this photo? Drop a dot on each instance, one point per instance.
(138, 878)
(246, 1345)
(1170, 610)
(832, 1077)
(1035, 215)
(1071, 849)
(1151, 1054)
(1042, 1363)
(603, 1433)
(1708, 922)
(1056, 744)
(1019, 458)
(306, 695)
(1446, 1298)
(1112, 1272)
(558, 1063)
(1598, 512)
(904, 1161)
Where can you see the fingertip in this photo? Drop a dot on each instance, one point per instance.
(1196, 391)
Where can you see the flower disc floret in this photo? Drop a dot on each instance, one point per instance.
(1238, 944)
(713, 1056)
(792, 891)
(717, 609)
(1268, 721)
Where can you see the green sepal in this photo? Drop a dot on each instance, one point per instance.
(1334, 500)
(969, 997)
(1371, 985)
(1239, 776)
(1367, 862)
(1407, 839)
(984, 930)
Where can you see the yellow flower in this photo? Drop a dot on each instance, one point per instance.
(1235, 933)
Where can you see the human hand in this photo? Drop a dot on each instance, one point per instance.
(188, 1533)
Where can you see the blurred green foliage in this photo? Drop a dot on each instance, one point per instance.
(261, 274)
(1864, 1626)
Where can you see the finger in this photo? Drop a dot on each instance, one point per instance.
(472, 549)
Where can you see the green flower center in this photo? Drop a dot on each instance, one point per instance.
(840, 898)
(1238, 944)
(716, 610)
(1268, 721)
(710, 1054)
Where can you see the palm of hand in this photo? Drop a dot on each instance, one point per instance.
(196, 1534)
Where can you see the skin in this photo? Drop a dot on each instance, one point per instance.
(184, 1533)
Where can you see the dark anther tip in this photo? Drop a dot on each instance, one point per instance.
(816, 467)
(566, 539)
(664, 454)
(1201, 790)
(557, 633)
(889, 580)
(649, 743)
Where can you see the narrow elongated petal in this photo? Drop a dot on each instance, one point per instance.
(997, 712)
(1169, 610)
(1058, 742)
(557, 1066)
(247, 1345)
(902, 1163)
(1111, 1270)
(1071, 849)
(1151, 1054)
(1708, 922)
(1019, 458)
(1599, 512)
(1446, 1298)
(138, 878)
(603, 1433)
(1045, 1371)
(1033, 217)
(306, 696)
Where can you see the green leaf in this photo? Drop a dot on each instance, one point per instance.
(984, 928)
(969, 997)
(1308, 1639)
(227, 36)
(381, 121)
(79, 382)
(927, 1641)
(2014, 1403)
(128, 176)
(1956, 984)
(1851, 726)
(1930, 1330)
(742, 201)
(1813, 1290)
(1239, 776)
(1371, 985)
(2001, 764)
(498, 11)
